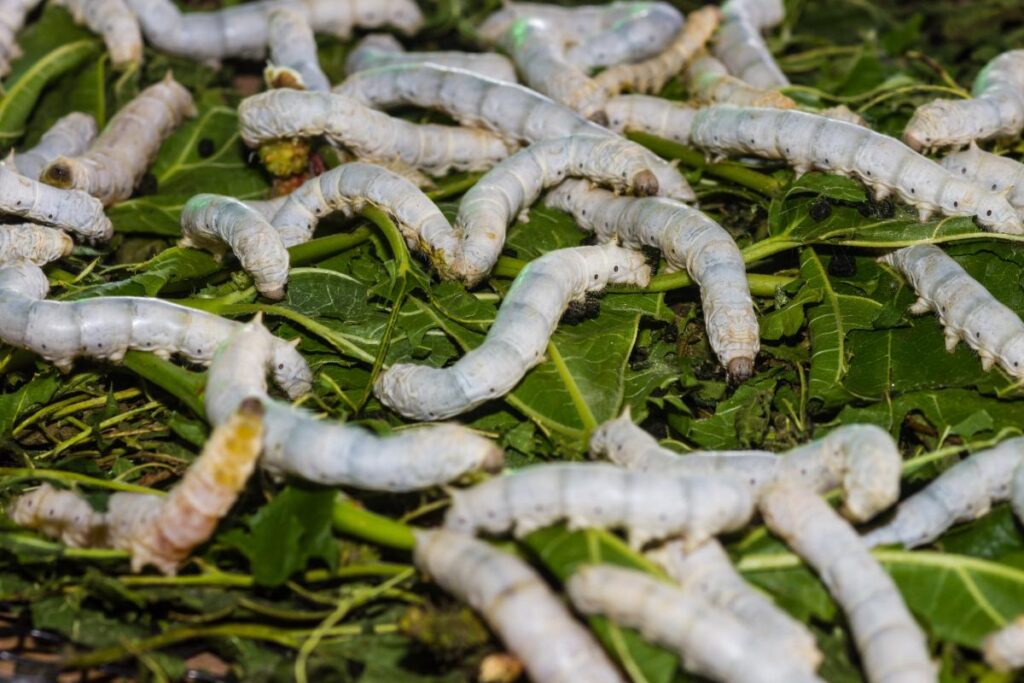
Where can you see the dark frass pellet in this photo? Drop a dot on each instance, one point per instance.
(821, 209)
(206, 148)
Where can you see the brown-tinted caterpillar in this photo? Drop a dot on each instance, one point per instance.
(293, 59)
(991, 171)
(69, 136)
(12, 18)
(1004, 649)
(33, 243)
(709, 81)
(383, 49)
(115, 22)
(741, 47)
(70, 210)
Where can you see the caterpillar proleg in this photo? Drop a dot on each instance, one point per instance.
(1004, 649)
(69, 136)
(531, 620)
(69, 210)
(991, 171)
(709, 81)
(293, 59)
(517, 339)
(12, 19)
(741, 47)
(383, 49)
(33, 243)
(115, 22)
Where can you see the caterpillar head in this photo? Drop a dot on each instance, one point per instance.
(405, 15)
(610, 438)
(290, 370)
(872, 465)
(1011, 357)
(937, 124)
(627, 267)
(996, 214)
(63, 172)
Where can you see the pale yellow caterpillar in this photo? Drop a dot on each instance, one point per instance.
(1004, 649)
(69, 136)
(12, 19)
(115, 22)
(32, 243)
(293, 59)
(70, 210)
(383, 49)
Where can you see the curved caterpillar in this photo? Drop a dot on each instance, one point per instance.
(741, 47)
(650, 506)
(242, 30)
(1004, 649)
(995, 110)
(12, 19)
(72, 210)
(994, 172)
(383, 49)
(709, 573)
(965, 308)
(763, 14)
(807, 141)
(517, 339)
(119, 157)
(891, 644)
(115, 22)
(712, 642)
(518, 605)
(217, 223)
(157, 531)
(690, 241)
(107, 327)
(651, 75)
(369, 134)
(32, 243)
(330, 453)
(293, 59)
(517, 114)
(964, 492)
(69, 136)
(710, 82)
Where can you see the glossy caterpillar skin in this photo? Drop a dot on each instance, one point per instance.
(32, 243)
(517, 114)
(991, 171)
(530, 619)
(1004, 649)
(516, 341)
(69, 210)
(369, 134)
(862, 459)
(154, 530)
(243, 31)
(12, 19)
(119, 157)
(107, 327)
(708, 572)
(383, 49)
(115, 22)
(293, 59)
(218, 223)
(646, 114)
(712, 642)
(295, 442)
(892, 646)
(650, 506)
(69, 136)
(709, 81)
(965, 308)
(741, 47)
(807, 141)
(690, 241)
(966, 491)
(996, 110)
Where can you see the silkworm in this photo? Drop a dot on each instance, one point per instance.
(69, 210)
(965, 308)
(295, 442)
(107, 327)
(383, 49)
(653, 115)
(862, 459)
(12, 19)
(996, 109)
(516, 602)
(807, 141)
(741, 47)
(217, 223)
(243, 31)
(763, 14)
(891, 644)
(709, 81)
(69, 136)
(154, 530)
(841, 112)
(651, 75)
(293, 59)
(517, 114)
(33, 243)
(964, 492)
(115, 22)
(1004, 649)
(650, 506)
(517, 339)
(690, 241)
(712, 642)
(708, 572)
(369, 134)
(119, 157)
(991, 171)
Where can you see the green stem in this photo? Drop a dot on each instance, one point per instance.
(42, 546)
(343, 345)
(351, 519)
(186, 386)
(760, 285)
(455, 187)
(323, 247)
(16, 473)
(575, 395)
(232, 580)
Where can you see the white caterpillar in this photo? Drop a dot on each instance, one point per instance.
(115, 22)
(531, 620)
(517, 114)
(297, 443)
(965, 308)
(651, 75)
(243, 31)
(807, 141)
(1004, 649)
(70, 136)
(69, 210)
(964, 492)
(996, 110)
(690, 241)
(741, 47)
(708, 572)
(369, 134)
(383, 49)
(33, 243)
(646, 114)
(712, 642)
(107, 327)
(12, 19)
(517, 339)
(119, 157)
(841, 112)
(991, 171)
(154, 530)
(650, 506)
(217, 223)
(710, 82)
(293, 59)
